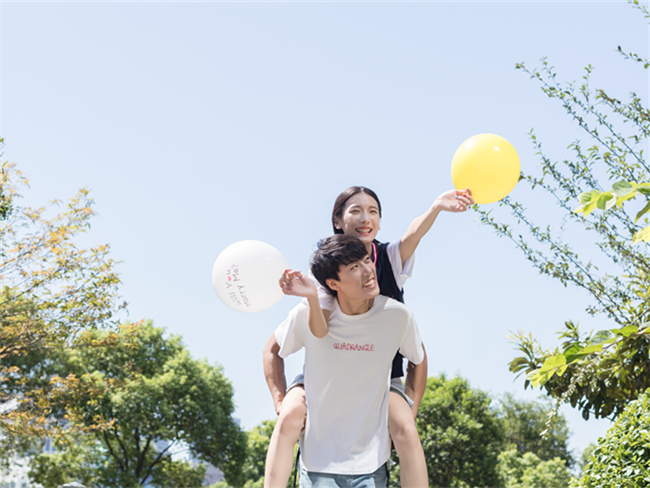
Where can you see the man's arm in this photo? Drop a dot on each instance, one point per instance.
(416, 382)
(296, 284)
(274, 372)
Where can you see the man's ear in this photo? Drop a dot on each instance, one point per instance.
(333, 284)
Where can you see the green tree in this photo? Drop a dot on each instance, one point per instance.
(622, 458)
(586, 455)
(258, 439)
(524, 424)
(526, 471)
(151, 391)
(51, 290)
(597, 373)
(461, 434)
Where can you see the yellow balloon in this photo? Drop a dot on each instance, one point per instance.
(488, 165)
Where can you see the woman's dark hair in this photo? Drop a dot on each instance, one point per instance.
(341, 200)
(332, 253)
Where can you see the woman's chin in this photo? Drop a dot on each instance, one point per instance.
(367, 240)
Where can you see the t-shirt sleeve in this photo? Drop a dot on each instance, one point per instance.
(401, 271)
(290, 333)
(325, 298)
(411, 347)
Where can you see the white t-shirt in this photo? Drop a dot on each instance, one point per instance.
(347, 375)
(401, 272)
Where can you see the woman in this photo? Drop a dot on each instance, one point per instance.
(357, 212)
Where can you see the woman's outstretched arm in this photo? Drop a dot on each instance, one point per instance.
(454, 201)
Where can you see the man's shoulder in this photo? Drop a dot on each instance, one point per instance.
(390, 304)
(298, 314)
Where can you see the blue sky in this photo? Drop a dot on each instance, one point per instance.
(199, 124)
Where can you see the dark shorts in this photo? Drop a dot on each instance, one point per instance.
(396, 386)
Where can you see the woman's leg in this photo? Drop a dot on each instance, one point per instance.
(279, 458)
(401, 425)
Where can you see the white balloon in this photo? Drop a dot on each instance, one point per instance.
(246, 274)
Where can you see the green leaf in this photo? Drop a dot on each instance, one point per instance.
(644, 188)
(589, 196)
(628, 331)
(572, 353)
(642, 212)
(642, 235)
(622, 188)
(589, 208)
(601, 336)
(620, 200)
(604, 200)
(554, 364)
(535, 377)
(592, 349)
(572, 349)
(532, 374)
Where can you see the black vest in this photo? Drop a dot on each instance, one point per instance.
(388, 287)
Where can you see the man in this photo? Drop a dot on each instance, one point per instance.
(347, 371)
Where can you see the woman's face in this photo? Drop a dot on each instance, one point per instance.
(360, 218)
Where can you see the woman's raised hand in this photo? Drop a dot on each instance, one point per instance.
(455, 200)
(295, 283)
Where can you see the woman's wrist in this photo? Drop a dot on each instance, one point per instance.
(437, 207)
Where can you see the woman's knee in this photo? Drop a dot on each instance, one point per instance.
(293, 414)
(405, 433)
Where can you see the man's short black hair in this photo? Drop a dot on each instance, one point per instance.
(332, 253)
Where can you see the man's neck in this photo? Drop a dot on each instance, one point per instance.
(354, 306)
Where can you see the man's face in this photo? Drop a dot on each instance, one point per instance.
(357, 280)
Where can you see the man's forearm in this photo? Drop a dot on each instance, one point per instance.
(416, 382)
(274, 372)
(318, 324)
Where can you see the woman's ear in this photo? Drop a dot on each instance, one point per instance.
(337, 223)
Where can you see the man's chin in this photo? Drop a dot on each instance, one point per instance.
(374, 293)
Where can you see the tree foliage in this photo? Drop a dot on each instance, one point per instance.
(599, 372)
(461, 434)
(622, 457)
(524, 422)
(258, 439)
(50, 290)
(156, 399)
(526, 471)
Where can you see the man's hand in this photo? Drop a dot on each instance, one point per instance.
(278, 406)
(297, 284)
